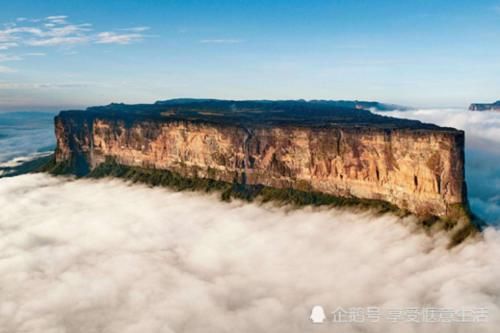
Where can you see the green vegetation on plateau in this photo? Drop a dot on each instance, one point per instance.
(228, 191)
(316, 113)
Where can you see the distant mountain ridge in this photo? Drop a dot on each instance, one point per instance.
(352, 104)
(302, 113)
(485, 106)
(367, 105)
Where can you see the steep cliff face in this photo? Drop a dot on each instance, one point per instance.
(414, 167)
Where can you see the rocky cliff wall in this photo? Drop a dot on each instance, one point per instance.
(419, 170)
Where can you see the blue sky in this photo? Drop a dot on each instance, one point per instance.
(60, 54)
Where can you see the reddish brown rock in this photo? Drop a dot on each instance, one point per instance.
(418, 169)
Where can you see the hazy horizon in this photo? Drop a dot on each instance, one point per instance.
(55, 109)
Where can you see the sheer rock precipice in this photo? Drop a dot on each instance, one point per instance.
(283, 144)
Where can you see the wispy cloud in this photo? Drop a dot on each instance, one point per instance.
(35, 54)
(53, 41)
(117, 38)
(221, 41)
(6, 46)
(137, 29)
(7, 38)
(57, 19)
(57, 30)
(48, 85)
(5, 69)
(65, 85)
(7, 57)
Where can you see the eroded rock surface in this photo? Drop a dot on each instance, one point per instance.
(339, 151)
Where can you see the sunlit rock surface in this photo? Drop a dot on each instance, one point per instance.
(287, 144)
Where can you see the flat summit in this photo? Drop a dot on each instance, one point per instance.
(253, 112)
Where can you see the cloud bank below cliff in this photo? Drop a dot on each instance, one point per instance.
(482, 133)
(83, 256)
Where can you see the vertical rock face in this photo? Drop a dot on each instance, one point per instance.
(416, 168)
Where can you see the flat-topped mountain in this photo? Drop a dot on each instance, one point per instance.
(485, 106)
(261, 112)
(311, 147)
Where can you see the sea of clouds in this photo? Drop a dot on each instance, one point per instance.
(105, 256)
(25, 135)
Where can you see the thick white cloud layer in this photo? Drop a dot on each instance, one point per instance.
(480, 127)
(85, 256)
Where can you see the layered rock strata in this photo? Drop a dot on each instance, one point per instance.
(342, 152)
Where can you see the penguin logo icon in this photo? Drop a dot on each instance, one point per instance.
(317, 315)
